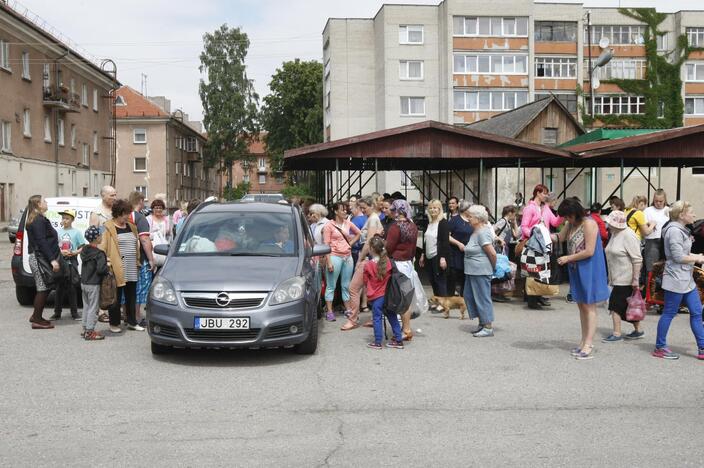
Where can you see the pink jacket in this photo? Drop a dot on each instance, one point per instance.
(532, 216)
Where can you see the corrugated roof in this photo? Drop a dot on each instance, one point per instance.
(605, 147)
(511, 123)
(607, 134)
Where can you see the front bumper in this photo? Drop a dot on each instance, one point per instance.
(270, 326)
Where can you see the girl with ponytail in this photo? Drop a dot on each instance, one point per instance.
(377, 272)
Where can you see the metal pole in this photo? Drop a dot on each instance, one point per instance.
(621, 189)
(659, 172)
(518, 180)
(376, 174)
(679, 181)
(496, 193)
(464, 184)
(648, 182)
(479, 180)
(591, 71)
(564, 182)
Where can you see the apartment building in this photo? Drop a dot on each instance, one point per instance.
(259, 174)
(463, 61)
(159, 151)
(55, 117)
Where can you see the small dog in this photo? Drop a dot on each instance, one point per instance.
(450, 302)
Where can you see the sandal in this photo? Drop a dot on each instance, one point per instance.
(408, 336)
(368, 324)
(365, 309)
(350, 325)
(582, 356)
(103, 318)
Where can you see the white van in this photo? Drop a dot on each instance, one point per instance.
(24, 281)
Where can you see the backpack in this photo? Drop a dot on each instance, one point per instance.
(108, 290)
(399, 292)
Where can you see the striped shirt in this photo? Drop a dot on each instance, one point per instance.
(128, 251)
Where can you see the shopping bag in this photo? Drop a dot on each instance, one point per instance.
(420, 300)
(535, 288)
(636, 307)
(158, 239)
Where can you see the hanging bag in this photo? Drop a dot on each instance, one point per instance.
(108, 290)
(636, 307)
(399, 292)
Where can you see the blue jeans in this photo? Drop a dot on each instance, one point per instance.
(378, 313)
(672, 304)
(343, 268)
(477, 296)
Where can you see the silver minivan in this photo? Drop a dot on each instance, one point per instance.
(238, 275)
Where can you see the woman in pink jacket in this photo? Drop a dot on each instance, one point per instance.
(535, 212)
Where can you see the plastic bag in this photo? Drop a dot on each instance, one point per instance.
(158, 239)
(636, 307)
(420, 300)
(506, 286)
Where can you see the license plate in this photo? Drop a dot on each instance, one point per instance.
(216, 323)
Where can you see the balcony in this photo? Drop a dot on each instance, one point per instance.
(60, 99)
(262, 170)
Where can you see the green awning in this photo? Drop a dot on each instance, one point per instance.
(607, 134)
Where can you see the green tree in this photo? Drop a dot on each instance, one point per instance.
(228, 98)
(292, 113)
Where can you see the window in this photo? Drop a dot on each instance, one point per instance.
(139, 135)
(326, 70)
(86, 154)
(141, 189)
(120, 101)
(25, 66)
(567, 100)
(489, 26)
(60, 131)
(556, 31)
(550, 136)
(695, 37)
(73, 87)
(178, 164)
(491, 64)
(5, 136)
(694, 105)
(262, 163)
(555, 67)
(245, 178)
(73, 136)
(410, 34)
(498, 100)
(625, 69)
(327, 94)
(4, 55)
(26, 124)
(47, 129)
(95, 142)
(694, 71)
(262, 179)
(661, 42)
(46, 76)
(411, 69)
(95, 100)
(84, 95)
(617, 34)
(413, 106)
(619, 105)
(140, 165)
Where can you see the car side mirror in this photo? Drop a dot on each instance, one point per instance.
(320, 250)
(161, 249)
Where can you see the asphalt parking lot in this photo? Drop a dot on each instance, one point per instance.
(448, 399)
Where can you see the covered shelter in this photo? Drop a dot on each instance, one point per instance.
(347, 165)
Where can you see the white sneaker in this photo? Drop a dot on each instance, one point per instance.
(115, 329)
(135, 327)
(484, 332)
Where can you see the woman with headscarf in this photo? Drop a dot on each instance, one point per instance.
(401, 246)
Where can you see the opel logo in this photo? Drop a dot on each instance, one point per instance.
(223, 299)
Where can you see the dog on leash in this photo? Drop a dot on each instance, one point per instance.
(450, 302)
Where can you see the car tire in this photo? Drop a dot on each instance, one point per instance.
(158, 349)
(12, 238)
(311, 343)
(25, 295)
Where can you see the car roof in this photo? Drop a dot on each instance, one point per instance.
(72, 201)
(245, 207)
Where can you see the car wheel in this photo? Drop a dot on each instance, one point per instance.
(320, 309)
(311, 343)
(158, 349)
(12, 238)
(25, 295)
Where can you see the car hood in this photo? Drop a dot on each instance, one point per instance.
(232, 274)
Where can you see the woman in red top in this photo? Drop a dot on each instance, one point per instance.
(401, 246)
(377, 272)
(595, 213)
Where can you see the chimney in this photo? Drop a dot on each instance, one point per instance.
(162, 102)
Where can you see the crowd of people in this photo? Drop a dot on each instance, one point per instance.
(606, 255)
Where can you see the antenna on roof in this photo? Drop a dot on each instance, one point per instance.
(143, 89)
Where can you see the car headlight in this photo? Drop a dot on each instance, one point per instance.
(289, 290)
(163, 291)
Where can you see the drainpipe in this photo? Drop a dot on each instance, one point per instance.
(56, 120)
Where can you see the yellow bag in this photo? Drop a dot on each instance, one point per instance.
(535, 288)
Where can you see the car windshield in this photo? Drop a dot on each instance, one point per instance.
(239, 234)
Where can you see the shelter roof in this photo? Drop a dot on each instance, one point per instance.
(424, 145)
(512, 123)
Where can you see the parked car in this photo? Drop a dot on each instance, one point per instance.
(13, 225)
(21, 274)
(238, 275)
(263, 197)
